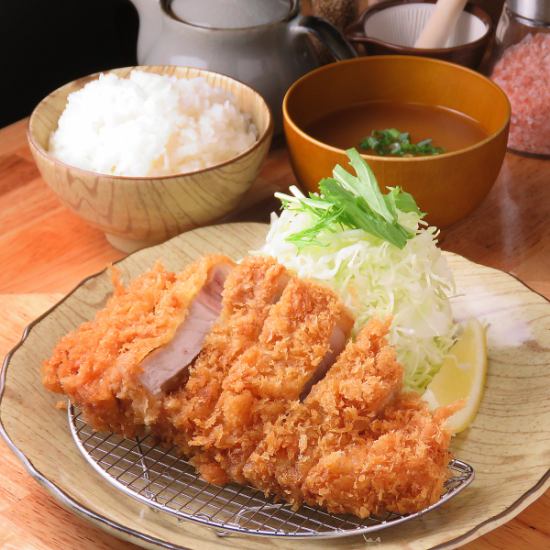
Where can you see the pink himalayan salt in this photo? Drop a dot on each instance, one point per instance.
(523, 73)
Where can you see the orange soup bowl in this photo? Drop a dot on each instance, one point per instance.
(448, 186)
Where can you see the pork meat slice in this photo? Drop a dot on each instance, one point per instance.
(250, 291)
(338, 339)
(144, 381)
(337, 413)
(166, 367)
(98, 365)
(269, 376)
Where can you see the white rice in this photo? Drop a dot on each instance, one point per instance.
(150, 125)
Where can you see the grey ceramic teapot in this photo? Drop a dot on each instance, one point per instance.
(263, 43)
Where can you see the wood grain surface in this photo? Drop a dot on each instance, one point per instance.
(141, 211)
(506, 469)
(46, 250)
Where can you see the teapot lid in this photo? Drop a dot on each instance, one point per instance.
(231, 14)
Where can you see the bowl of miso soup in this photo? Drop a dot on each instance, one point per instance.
(435, 129)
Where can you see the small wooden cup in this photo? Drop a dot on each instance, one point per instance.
(135, 212)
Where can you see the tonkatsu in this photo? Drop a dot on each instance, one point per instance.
(118, 366)
(253, 373)
(299, 339)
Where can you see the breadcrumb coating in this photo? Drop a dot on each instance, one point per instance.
(400, 467)
(269, 376)
(356, 443)
(98, 364)
(249, 293)
(337, 412)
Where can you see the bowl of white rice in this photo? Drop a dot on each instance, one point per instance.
(144, 153)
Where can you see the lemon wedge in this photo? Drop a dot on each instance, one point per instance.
(462, 376)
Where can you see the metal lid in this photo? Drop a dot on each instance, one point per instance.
(537, 10)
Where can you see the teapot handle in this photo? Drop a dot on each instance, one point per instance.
(328, 35)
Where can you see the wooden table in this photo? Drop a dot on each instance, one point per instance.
(45, 250)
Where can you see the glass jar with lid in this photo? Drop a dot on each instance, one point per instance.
(521, 66)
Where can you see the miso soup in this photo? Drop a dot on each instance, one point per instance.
(346, 127)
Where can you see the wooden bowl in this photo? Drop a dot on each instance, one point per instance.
(370, 37)
(140, 211)
(448, 186)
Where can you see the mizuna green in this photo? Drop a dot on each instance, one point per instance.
(355, 202)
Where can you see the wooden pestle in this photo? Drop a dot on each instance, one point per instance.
(440, 24)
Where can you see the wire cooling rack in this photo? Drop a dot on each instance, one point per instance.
(160, 478)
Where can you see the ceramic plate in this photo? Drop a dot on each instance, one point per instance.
(508, 445)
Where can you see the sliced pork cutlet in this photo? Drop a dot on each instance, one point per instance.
(337, 412)
(166, 367)
(293, 345)
(100, 365)
(401, 467)
(250, 291)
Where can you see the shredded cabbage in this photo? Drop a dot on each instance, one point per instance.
(378, 279)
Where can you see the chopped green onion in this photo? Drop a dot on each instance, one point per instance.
(392, 142)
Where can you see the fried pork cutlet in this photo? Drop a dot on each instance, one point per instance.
(401, 466)
(106, 365)
(250, 291)
(242, 367)
(297, 341)
(338, 412)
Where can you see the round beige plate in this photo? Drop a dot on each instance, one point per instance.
(508, 445)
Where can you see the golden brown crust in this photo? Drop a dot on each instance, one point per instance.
(357, 445)
(98, 364)
(401, 466)
(271, 374)
(170, 313)
(338, 410)
(249, 293)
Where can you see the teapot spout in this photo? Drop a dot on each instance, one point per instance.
(150, 26)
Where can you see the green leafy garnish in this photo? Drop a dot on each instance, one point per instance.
(354, 202)
(392, 142)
